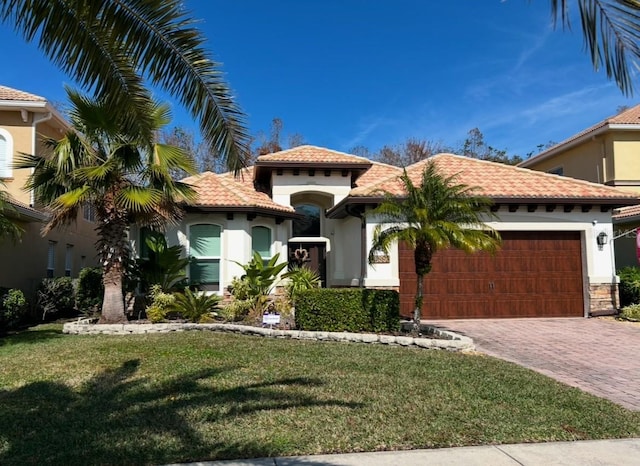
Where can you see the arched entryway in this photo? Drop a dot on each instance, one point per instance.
(308, 245)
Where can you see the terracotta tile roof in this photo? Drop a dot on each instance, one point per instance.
(500, 181)
(626, 212)
(7, 93)
(631, 116)
(377, 172)
(245, 176)
(313, 154)
(225, 191)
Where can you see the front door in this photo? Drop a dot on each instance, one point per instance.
(311, 255)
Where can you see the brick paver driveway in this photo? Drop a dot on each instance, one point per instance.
(599, 356)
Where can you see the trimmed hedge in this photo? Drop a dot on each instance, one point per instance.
(629, 286)
(348, 310)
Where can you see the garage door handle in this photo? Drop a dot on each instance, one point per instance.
(492, 285)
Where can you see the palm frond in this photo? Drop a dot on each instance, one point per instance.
(103, 44)
(8, 227)
(138, 199)
(611, 30)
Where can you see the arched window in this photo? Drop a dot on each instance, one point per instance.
(309, 225)
(261, 241)
(204, 248)
(6, 154)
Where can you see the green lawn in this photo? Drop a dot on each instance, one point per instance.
(199, 395)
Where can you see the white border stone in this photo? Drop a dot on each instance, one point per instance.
(448, 340)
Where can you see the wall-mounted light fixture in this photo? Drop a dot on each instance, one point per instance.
(602, 239)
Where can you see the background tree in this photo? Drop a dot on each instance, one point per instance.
(114, 167)
(475, 147)
(113, 46)
(409, 152)
(205, 158)
(273, 143)
(434, 215)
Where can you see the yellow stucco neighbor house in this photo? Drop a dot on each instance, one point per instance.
(24, 119)
(607, 153)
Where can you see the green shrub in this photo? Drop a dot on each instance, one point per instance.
(56, 296)
(631, 312)
(383, 308)
(90, 290)
(193, 306)
(164, 265)
(348, 309)
(236, 310)
(260, 275)
(239, 288)
(13, 309)
(301, 279)
(161, 304)
(629, 285)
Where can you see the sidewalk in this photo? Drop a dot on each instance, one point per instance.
(619, 452)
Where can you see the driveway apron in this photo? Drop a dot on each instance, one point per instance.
(599, 356)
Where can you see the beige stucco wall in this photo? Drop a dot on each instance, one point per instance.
(24, 264)
(612, 158)
(626, 150)
(585, 161)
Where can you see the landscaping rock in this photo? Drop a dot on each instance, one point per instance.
(448, 340)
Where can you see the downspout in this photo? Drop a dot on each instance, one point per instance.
(604, 164)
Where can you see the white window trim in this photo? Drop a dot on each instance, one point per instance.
(51, 258)
(68, 260)
(9, 169)
(221, 281)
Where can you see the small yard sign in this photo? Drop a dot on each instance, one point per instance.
(271, 319)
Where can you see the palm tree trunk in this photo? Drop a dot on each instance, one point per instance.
(113, 246)
(113, 302)
(417, 311)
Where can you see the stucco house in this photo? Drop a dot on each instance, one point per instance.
(605, 153)
(24, 118)
(312, 202)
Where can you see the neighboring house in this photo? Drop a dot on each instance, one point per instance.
(24, 118)
(311, 203)
(607, 153)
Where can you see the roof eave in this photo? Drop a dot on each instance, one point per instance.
(623, 201)
(563, 146)
(26, 214)
(258, 210)
(340, 209)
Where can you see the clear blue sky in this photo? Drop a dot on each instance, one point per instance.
(361, 72)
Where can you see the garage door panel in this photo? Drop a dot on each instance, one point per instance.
(535, 274)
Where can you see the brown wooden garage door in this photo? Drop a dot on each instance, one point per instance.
(535, 274)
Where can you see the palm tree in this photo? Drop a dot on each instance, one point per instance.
(437, 214)
(611, 30)
(112, 46)
(8, 228)
(106, 164)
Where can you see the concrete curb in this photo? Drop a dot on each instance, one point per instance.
(448, 340)
(614, 452)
